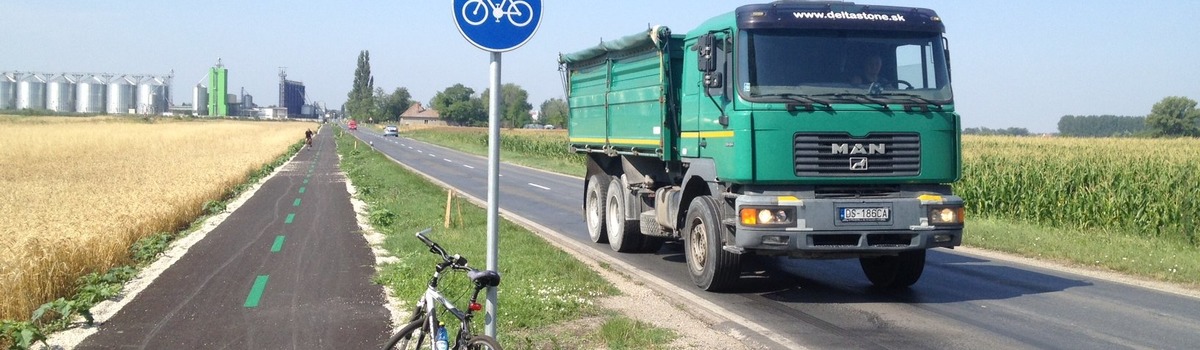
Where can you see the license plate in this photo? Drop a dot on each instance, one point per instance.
(864, 214)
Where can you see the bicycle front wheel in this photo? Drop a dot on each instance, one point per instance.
(410, 337)
(482, 342)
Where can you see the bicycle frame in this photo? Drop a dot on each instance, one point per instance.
(428, 304)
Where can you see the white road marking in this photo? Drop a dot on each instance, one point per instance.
(468, 166)
(432, 155)
(539, 186)
(448, 160)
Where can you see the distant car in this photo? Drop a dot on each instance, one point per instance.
(353, 125)
(391, 130)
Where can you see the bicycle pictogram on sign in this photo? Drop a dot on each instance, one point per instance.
(518, 12)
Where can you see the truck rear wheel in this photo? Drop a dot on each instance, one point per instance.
(712, 268)
(623, 235)
(894, 271)
(595, 198)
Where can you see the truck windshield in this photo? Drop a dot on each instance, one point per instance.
(780, 64)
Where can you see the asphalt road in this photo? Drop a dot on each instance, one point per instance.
(962, 300)
(287, 270)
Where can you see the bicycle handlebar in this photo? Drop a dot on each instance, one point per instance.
(455, 261)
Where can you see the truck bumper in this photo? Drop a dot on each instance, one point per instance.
(824, 228)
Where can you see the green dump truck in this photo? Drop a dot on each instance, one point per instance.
(817, 130)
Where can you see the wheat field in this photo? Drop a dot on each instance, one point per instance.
(75, 193)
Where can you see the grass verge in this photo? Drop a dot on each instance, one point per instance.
(544, 290)
(1165, 260)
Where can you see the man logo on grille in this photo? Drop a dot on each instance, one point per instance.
(858, 163)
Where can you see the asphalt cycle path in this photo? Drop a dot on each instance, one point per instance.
(289, 269)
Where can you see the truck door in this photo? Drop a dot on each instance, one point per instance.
(704, 86)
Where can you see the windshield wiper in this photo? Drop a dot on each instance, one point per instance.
(803, 100)
(860, 98)
(914, 98)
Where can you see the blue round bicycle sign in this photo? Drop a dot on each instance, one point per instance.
(497, 25)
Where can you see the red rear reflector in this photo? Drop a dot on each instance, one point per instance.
(476, 307)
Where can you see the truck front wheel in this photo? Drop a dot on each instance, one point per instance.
(712, 268)
(623, 235)
(894, 271)
(595, 198)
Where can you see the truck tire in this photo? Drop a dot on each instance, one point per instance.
(595, 198)
(712, 268)
(898, 271)
(624, 236)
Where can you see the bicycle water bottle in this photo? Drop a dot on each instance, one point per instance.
(443, 339)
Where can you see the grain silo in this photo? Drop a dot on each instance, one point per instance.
(31, 92)
(200, 100)
(151, 96)
(90, 93)
(121, 93)
(60, 94)
(8, 91)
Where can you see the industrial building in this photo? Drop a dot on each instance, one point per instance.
(145, 94)
(88, 93)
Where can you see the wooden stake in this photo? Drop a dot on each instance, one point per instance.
(449, 196)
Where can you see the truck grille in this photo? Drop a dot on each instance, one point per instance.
(838, 154)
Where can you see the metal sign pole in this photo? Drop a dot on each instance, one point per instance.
(493, 233)
(495, 29)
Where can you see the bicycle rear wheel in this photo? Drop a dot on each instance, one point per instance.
(482, 342)
(410, 337)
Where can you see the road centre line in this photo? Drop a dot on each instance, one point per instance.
(448, 160)
(260, 284)
(468, 166)
(539, 186)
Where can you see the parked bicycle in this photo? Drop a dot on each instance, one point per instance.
(424, 328)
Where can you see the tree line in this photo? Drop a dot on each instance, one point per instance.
(457, 104)
(1173, 116)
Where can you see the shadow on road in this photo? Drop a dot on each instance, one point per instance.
(948, 278)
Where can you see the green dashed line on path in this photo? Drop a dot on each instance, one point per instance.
(256, 292)
(305, 181)
(289, 219)
(275, 248)
(301, 190)
(296, 203)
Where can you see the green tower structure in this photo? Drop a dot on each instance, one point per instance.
(218, 81)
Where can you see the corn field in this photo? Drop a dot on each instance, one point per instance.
(75, 193)
(1144, 186)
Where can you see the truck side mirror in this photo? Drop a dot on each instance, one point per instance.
(705, 49)
(712, 80)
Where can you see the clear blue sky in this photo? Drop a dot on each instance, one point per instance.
(1016, 63)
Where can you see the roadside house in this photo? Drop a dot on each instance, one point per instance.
(419, 115)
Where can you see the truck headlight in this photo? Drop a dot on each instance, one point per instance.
(768, 216)
(946, 216)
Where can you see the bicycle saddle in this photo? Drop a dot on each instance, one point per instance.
(485, 278)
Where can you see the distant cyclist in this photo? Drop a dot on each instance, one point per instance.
(308, 137)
